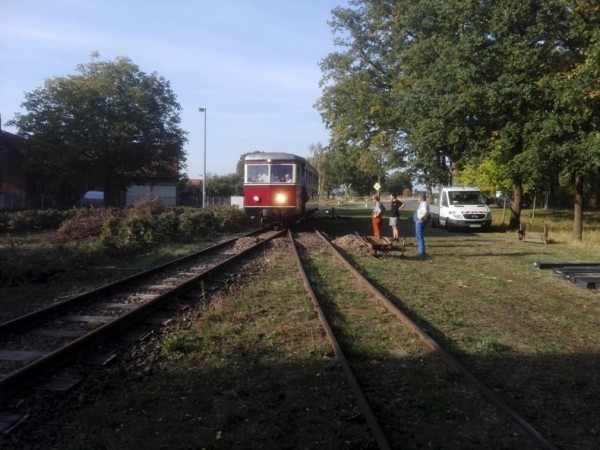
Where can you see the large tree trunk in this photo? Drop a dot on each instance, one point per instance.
(515, 209)
(594, 200)
(578, 208)
(454, 173)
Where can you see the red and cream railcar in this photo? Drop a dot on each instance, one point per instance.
(277, 186)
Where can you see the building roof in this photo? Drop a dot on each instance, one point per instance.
(8, 142)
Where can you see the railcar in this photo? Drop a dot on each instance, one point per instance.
(278, 186)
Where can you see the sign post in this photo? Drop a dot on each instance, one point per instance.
(377, 186)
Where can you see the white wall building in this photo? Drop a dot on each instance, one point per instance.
(166, 192)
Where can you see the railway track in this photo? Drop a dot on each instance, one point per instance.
(37, 344)
(377, 410)
(389, 401)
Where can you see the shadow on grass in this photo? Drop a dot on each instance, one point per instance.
(242, 398)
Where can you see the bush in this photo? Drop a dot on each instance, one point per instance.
(33, 220)
(113, 232)
(138, 233)
(147, 206)
(86, 223)
(4, 222)
(230, 218)
(109, 236)
(146, 224)
(166, 226)
(132, 234)
(194, 223)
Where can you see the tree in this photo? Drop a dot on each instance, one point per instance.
(241, 164)
(571, 135)
(225, 185)
(472, 83)
(400, 93)
(108, 126)
(318, 159)
(451, 81)
(398, 183)
(347, 170)
(434, 89)
(487, 173)
(356, 104)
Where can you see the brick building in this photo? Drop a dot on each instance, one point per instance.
(13, 179)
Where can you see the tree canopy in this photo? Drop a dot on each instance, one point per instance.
(107, 126)
(508, 86)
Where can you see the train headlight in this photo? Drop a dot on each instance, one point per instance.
(256, 199)
(280, 198)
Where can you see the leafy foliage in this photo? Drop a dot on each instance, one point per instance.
(109, 125)
(147, 206)
(135, 233)
(86, 223)
(146, 226)
(501, 89)
(225, 185)
(398, 183)
(33, 220)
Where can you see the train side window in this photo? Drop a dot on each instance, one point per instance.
(288, 175)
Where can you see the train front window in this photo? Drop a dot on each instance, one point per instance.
(282, 173)
(257, 173)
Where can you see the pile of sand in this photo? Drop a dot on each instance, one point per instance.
(352, 244)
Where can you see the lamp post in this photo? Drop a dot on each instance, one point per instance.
(203, 110)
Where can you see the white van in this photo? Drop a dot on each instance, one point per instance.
(461, 207)
(95, 198)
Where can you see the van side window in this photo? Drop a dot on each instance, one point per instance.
(444, 199)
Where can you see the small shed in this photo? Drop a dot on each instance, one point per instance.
(166, 192)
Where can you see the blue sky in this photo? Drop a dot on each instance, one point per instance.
(253, 64)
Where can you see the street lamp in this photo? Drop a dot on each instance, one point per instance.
(203, 110)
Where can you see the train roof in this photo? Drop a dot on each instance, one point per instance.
(263, 156)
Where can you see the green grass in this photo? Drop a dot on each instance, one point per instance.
(481, 297)
(255, 370)
(35, 273)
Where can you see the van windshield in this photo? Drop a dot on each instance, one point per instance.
(467, 198)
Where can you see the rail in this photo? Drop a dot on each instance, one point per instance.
(31, 373)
